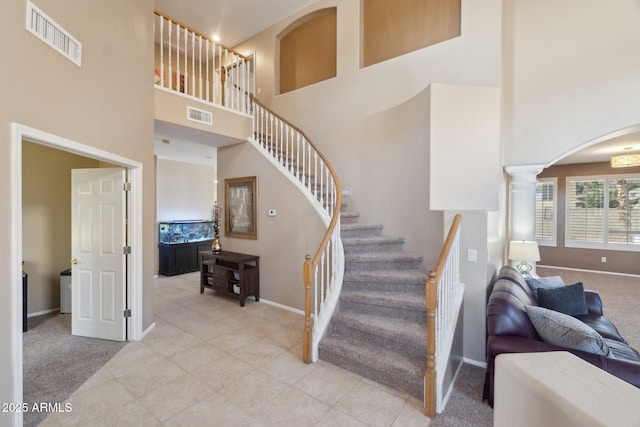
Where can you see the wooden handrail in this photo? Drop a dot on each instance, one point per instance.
(310, 263)
(431, 303)
(183, 25)
(446, 248)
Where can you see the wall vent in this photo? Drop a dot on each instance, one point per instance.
(200, 116)
(48, 30)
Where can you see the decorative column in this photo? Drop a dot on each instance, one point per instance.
(522, 208)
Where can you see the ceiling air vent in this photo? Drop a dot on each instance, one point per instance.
(47, 30)
(200, 116)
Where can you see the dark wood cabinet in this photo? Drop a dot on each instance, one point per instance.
(179, 258)
(231, 273)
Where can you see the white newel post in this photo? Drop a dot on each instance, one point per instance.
(522, 208)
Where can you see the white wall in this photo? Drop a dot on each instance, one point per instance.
(465, 136)
(184, 190)
(570, 75)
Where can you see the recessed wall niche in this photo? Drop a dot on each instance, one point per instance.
(307, 50)
(393, 28)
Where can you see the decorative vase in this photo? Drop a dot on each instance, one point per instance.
(216, 247)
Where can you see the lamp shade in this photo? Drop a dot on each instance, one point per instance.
(522, 250)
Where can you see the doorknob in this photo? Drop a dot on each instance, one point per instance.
(74, 261)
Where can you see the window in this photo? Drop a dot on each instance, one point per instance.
(546, 211)
(603, 212)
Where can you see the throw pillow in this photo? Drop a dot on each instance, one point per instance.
(566, 331)
(565, 299)
(536, 283)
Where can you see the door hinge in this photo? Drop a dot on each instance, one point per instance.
(127, 313)
(126, 250)
(127, 186)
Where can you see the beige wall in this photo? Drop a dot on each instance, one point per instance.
(283, 240)
(374, 123)
(588, 259)
(46, 220)
(99, 105)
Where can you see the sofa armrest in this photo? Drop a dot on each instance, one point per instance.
(594, 303)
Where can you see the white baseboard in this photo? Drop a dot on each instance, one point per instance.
(613, 273)
(146, 331)
(282, 306)
(475, 363)
(40, 313)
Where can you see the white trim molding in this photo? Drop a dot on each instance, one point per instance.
(135, 274)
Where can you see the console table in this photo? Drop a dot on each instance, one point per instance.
(231, 273)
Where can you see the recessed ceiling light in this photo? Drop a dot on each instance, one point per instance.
(216, 38)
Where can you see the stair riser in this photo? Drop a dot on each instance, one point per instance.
(348, 219)
(362, 307)
(409, 347)
(413, 288)
(373, 247)
(399, 380)
(361, 232)
(358, 265)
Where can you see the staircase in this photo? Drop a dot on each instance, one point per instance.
(379, 327)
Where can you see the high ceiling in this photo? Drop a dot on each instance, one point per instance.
(234, 21)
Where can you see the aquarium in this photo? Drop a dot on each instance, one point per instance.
(173, 232)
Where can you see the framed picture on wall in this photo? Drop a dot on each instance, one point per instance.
(241, 207)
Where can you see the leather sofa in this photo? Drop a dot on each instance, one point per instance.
(511, 331)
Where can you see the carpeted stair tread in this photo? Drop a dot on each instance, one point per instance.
(384, 366)
(362, 240)
(382, 256)
(349, 214)
(389, 276)
(396, 329)
(402, 300)
(377, 243)
(360, 226)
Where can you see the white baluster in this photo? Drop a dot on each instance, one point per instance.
(170, 55)
(193, 64)
(177, 57)
(162, 51)
(200, 70)
(186, 62)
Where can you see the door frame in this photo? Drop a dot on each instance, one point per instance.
(134, 271)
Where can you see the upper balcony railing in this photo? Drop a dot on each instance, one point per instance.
(189, 63)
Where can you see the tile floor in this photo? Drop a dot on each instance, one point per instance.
(209, 362)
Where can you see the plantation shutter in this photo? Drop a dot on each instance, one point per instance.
(623, 221)
(585, 211)
(545, 211)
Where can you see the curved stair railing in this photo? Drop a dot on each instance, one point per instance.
(444, 293)
(296, 156)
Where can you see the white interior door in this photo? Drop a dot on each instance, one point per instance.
(98, 261)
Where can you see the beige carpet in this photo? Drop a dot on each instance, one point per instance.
(56, 363)
(620, 299)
